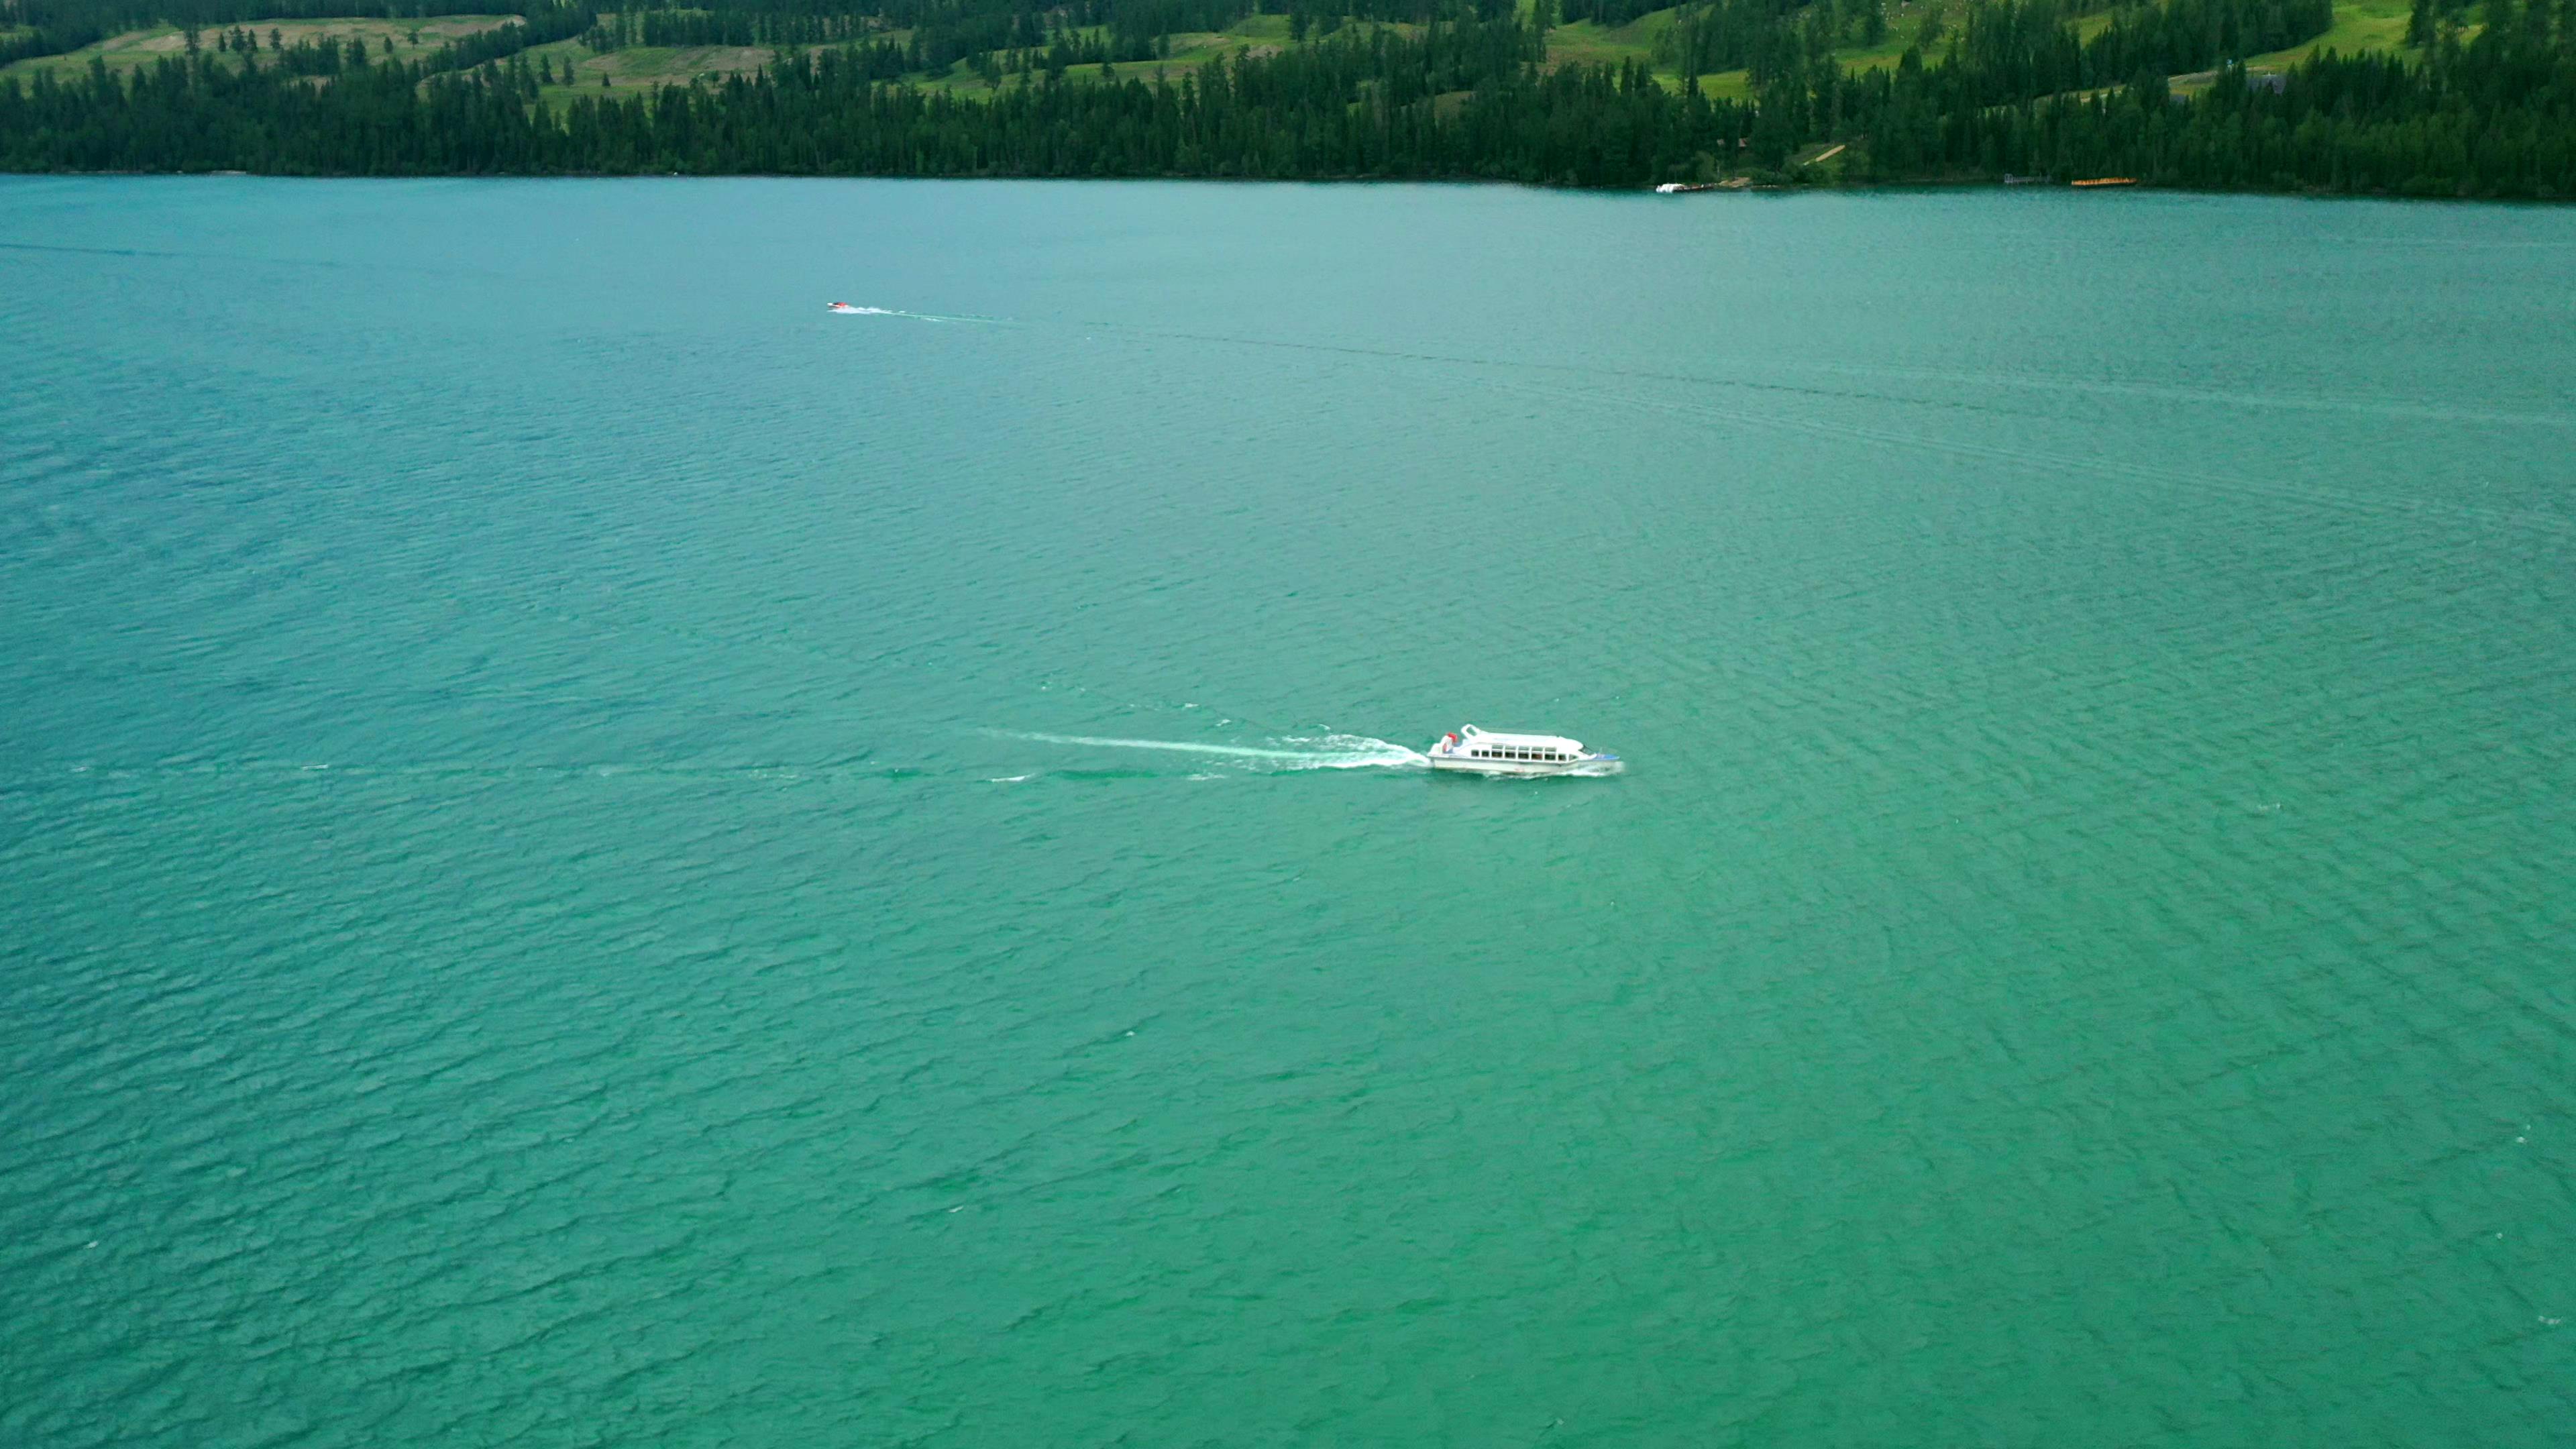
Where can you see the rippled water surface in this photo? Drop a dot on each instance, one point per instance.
(593, 854)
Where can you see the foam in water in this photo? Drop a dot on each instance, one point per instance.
(850, 309)
(1323, 752)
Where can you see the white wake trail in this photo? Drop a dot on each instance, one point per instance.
(846, 309)
(1325, 752)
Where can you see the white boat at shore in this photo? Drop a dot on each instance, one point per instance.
(1489, 752)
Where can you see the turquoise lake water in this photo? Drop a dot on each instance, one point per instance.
(592, 854)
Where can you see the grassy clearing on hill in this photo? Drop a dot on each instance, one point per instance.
(652, 67)
(647, 66)
(138, 48)
(1906, 24)
(1191, 50)
(1590, 44)
(2359, 25)
(1587, 43)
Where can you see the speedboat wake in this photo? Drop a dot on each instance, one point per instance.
(852, 309)
(1320, 752)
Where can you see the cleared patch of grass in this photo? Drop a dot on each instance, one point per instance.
(2359, 25)
(646, 67)
(1727, 85)
(1191, 50)
(1904, 23)
(135, 49)
(1587, 43)
(1260, 29)
(1201, 46)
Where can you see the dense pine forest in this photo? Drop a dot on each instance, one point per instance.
(2472, 98)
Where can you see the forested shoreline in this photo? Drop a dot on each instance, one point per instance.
(2484, 105)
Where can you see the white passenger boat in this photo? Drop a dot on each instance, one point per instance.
(1486, 752)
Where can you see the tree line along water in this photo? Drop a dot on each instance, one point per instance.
(2482, 103)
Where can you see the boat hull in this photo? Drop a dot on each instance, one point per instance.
(1588, 765)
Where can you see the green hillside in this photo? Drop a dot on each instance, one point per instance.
(133, 49)
(581, 66)
(2432, 97)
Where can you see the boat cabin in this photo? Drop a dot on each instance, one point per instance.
(1475, 744)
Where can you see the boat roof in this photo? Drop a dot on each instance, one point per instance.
(1511, 740)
